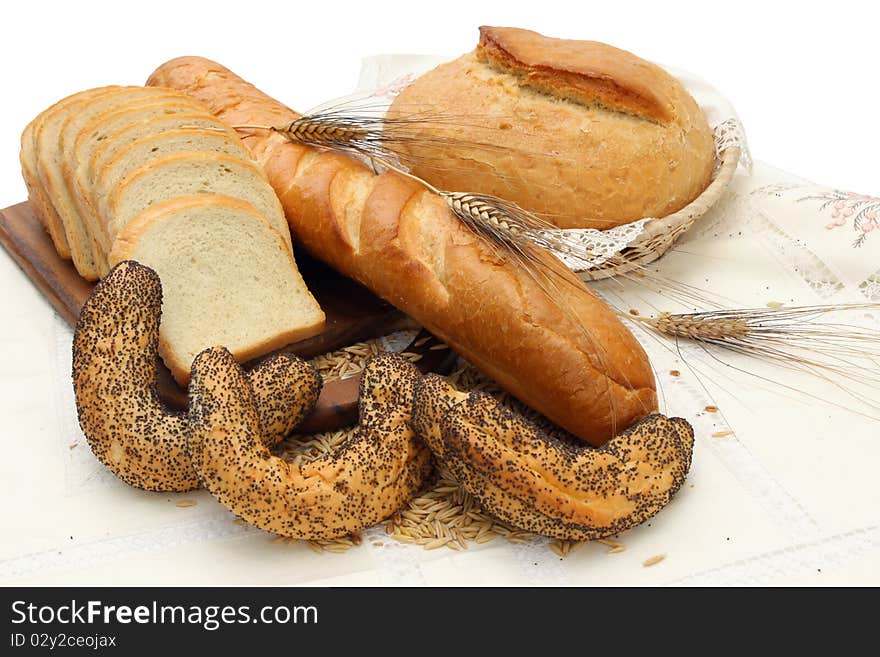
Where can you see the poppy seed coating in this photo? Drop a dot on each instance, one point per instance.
(286, 389)
(369, 478)
(543, 485)
(115, 358)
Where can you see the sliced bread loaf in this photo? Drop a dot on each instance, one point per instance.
(40, 202)
(228, 278)
(144, 128)
(73, 123)
(54, 141)
(181, 174)
(47, 159)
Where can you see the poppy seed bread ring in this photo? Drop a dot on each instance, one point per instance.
(114, 373)
(372, 475)
(539, 483)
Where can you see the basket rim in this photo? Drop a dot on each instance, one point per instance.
(659, 234)
(728, 161)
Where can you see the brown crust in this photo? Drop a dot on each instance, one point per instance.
(40, 202)
(286, 389)
(591, 379)
(541, 484)
(580, 133)
(114, 374)
(587, 72)
(369, 478)
(435, 396)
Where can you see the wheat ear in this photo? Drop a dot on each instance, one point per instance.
(697, 327)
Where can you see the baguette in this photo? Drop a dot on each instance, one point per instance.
(589, 376)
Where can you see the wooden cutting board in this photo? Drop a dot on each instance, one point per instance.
(353, 314)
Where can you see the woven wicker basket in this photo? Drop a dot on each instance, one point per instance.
(660, 234)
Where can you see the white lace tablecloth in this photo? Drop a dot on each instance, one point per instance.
(789, 497)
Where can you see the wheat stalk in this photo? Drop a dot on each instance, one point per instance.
(797, 337)
(331, 134)
(376, 137)
(699, 327)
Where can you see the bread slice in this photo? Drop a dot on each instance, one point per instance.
(146, 149)
(141, 151)
(181, 174)
(228, 278)
(52, 143)
(75, 166)
(72, 126)
(39, 200)
(39, 149)
(144, 128)
(109, 122)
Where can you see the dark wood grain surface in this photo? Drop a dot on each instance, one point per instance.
(353, 314)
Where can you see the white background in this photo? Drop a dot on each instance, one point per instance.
(803, 76)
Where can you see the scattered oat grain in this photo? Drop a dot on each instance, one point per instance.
(653, 561)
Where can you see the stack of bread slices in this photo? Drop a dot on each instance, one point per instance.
(148, 174)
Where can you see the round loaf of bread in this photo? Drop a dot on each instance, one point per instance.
(581, 133)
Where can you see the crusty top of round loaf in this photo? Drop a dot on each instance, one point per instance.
(588, 72)
(584, 134)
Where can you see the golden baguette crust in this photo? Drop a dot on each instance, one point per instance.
(114, 377)
(540, 483)
(591, 377)
(584, 134)
(372, 475)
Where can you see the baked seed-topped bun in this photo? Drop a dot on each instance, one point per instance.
(114, 374)
(541, 484)
(370, 477)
